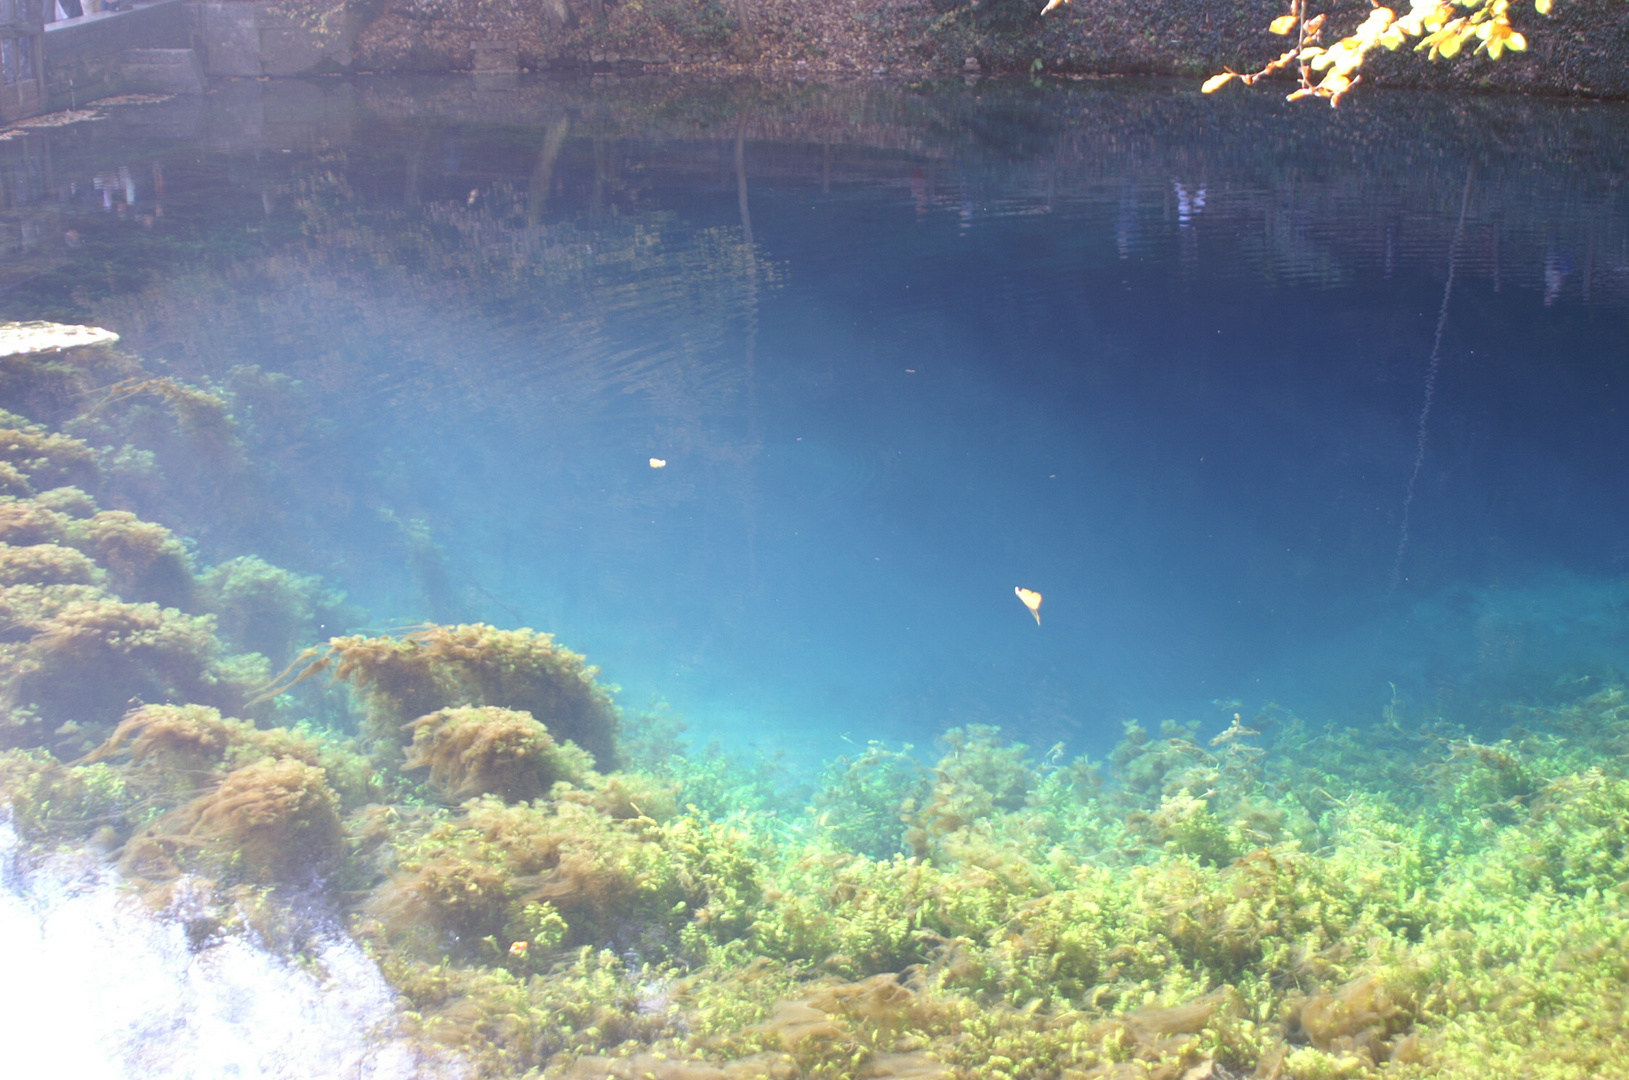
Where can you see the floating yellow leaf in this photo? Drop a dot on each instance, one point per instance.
(1282, 25)
(1541, 6)
(1032, 600)
(658, 463)
(1216, 82)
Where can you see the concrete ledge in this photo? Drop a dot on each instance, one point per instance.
(162, 71)
(82, 56)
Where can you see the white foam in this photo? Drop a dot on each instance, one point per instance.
(94, 986)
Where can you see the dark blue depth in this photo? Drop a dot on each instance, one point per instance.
(1162, 358)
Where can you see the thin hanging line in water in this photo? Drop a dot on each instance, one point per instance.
(751, 366)
(1431, 382)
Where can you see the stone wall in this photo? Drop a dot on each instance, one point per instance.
(276, 37)
(171, 45)
(83, 56)
(1582, 49)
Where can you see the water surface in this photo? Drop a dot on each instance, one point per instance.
(1192, 368)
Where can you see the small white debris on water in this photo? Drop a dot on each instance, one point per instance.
(24, 338)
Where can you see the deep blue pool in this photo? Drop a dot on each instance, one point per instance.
(1271, 404)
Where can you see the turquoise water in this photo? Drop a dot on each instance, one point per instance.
(1191, 368)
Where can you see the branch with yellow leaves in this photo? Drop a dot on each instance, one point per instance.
(1443, 27)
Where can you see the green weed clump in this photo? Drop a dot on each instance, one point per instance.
(864, 802)
(265, 609)
(81, 655)
(52, 804)
(564, 873)
(486, 750)
(273, 822)
(402, 678)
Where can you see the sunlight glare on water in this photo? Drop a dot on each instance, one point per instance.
(100, 987)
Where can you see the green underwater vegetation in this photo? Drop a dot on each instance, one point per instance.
(559, 889)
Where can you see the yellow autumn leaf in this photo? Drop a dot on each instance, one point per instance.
(1216, 82)
(1031, 599)
(1541, 6)
(1446, 41)
(1438, 17)
(1335, 84)
(1499, 36)
(1282, 25)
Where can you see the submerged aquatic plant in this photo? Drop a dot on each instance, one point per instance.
(265, 609)
(485, 750)
(275, 822)
(85, 655)
(33, 459)
(401, 678)
(864, 802)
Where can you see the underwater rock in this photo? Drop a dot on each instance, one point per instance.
(485, 750)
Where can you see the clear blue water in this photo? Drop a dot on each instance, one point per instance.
(1174, 362)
